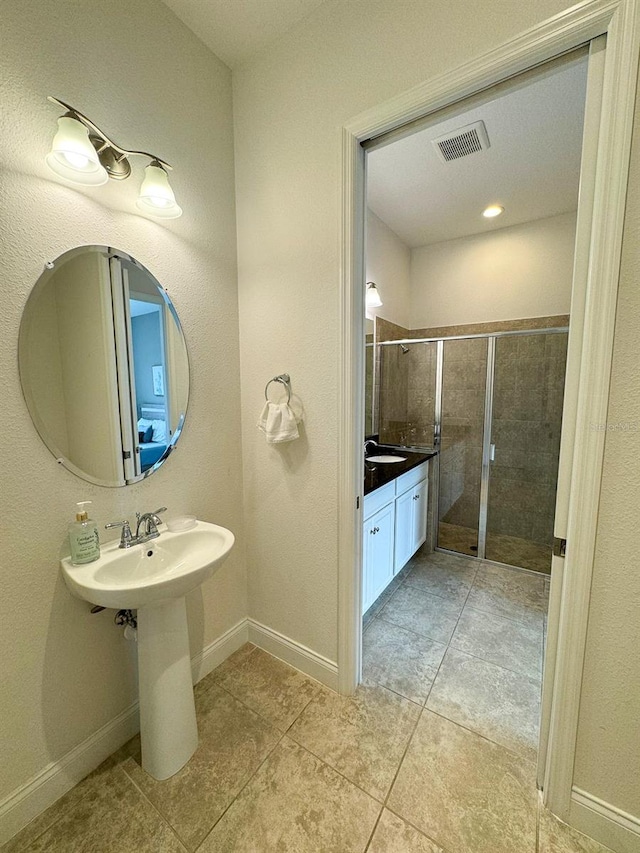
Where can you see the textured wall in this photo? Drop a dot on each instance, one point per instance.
(521, 271)
(143, 76)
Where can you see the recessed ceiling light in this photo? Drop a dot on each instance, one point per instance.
(493, 210)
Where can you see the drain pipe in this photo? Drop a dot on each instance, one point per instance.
(127, 619)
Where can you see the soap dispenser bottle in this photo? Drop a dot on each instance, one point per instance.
(83, 537)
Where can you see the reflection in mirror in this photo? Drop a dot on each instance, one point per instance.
(370, 420)
(103, 366)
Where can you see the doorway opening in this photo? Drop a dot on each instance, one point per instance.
(606, 156)
(464, 376)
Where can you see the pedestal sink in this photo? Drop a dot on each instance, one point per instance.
(154, 578)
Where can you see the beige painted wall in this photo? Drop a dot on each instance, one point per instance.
(41, 367)
(152, 85)
(506, 274)
(290, 103)
(389, 266)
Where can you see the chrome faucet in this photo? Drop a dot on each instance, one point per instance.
(148, 521)
(367, 443)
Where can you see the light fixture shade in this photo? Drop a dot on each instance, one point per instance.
(156, 196)
(372, 299)
(72, 155)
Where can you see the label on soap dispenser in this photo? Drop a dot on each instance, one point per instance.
(85, 544)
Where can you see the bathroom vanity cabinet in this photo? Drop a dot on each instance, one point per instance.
(395, 526)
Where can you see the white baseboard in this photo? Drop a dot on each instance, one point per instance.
(294, 653)
(219, 650)
(609, 825)
(58, 777)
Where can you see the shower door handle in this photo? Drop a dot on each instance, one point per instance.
(492, 453)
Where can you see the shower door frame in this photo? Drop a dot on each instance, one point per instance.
(601, 211)
(489, 390)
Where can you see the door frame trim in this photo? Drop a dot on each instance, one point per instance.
(618, 19)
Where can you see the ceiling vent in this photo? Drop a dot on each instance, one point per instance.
(462, 142)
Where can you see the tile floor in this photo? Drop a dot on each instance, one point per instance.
(434, 753)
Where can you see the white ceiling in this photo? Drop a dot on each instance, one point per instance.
(235, 29)
(532, 167)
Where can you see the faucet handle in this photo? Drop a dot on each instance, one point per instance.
(126, 538)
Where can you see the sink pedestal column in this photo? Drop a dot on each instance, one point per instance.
(168, 728)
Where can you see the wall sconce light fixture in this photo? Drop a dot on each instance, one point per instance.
(372, 298)
(82, 153)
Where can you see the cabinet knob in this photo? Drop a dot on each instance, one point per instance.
(416, 497)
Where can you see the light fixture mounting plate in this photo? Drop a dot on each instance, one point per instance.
(116, 165)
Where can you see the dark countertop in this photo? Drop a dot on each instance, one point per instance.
(382, 473)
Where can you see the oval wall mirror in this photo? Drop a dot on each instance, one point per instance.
(104, 366)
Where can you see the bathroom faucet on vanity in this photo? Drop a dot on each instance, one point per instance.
(148, 521)
(367, 443)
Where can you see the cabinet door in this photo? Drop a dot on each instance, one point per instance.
(377, 547)
(419, 515)
(411, 523)
(404, 529)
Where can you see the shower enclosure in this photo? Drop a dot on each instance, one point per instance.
(492, 404)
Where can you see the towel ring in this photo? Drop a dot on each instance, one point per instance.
(283, 379)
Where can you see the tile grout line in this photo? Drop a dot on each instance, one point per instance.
(536, 679)
(250, 777)
(162, 817)
(373, 831)
(417, 829)
(509, 749)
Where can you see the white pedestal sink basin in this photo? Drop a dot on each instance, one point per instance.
(154, 577)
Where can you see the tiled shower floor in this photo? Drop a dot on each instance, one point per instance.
(511, 550)
(434, 753)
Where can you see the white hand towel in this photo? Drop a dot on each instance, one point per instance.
(278, 422)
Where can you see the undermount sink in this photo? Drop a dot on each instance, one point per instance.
(164, 568)
(153, 578)
(386, 458)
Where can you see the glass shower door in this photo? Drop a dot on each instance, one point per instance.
(464, 375)
(526, 421)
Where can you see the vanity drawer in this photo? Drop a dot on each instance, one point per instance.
(411, 478)
(376, 500)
